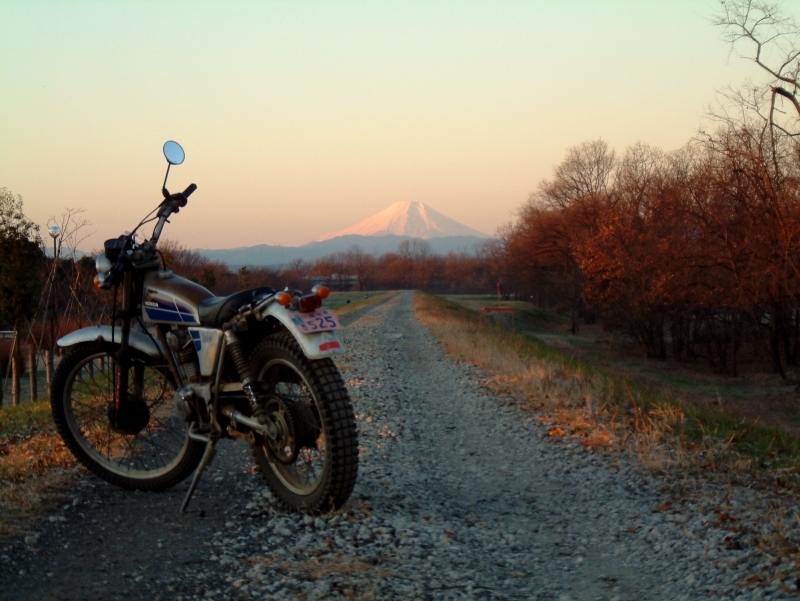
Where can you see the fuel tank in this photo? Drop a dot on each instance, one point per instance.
(169, 298)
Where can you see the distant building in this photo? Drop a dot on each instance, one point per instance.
(335, 281)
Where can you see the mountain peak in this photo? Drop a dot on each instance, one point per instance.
(407, 218)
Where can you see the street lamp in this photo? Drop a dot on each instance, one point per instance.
(55, 234)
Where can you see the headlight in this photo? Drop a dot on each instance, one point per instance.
(103, 264)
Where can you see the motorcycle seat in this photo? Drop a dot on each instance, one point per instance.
(216, 310)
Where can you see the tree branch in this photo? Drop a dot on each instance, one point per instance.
(782, 92)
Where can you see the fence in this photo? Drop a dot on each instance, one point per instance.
(14, 363)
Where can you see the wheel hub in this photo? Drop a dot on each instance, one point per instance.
(129, 418)
(282, 439)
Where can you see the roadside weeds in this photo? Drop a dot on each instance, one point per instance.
(576, 401)
(343, 303)
(600, 406)
(34, 465)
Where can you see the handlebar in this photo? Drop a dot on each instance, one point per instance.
(172, 204)
(126, 255)
(188, 191)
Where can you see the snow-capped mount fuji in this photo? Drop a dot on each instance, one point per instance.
(381, 233)
(411, 219)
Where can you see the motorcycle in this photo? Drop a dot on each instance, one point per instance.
(143, 402)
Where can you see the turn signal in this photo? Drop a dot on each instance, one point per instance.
(309, 302)
(321, 291)
(284, 298)
(102, 281)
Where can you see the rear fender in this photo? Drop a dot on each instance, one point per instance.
(139, 341)
(316, 345)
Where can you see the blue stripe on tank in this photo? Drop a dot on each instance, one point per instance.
(161, 315)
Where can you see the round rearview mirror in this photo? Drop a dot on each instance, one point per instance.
(174, 153)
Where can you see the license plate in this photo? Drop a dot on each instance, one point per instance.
(318, 321)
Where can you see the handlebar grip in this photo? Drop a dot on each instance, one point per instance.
(188, 191)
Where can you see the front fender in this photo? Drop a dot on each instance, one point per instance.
(139, 341)
(316, 345)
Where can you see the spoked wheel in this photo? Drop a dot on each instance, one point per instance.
(324, 460)
(150, 450)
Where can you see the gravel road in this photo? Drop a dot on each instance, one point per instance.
(460, 495)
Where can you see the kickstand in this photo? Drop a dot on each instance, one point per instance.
(208, 456)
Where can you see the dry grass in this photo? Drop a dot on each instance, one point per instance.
(565, 394)
(34, 465)
(581, 401)
(343, 303)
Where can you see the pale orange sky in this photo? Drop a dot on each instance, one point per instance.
(300, 118)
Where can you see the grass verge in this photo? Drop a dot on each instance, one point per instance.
(606, 409)
(343, 303)
(34, 463)
(667, 434)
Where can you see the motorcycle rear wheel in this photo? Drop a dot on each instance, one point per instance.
(158, 456)
(322, 475)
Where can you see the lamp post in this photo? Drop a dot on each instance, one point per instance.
(55, 234)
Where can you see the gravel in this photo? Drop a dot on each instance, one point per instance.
(460, 495)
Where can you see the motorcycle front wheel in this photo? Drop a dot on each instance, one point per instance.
(157, 455)
(319, 473)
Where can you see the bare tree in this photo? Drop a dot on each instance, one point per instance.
(761, 32)
(73, 233)
(583, 175)
(361, 265)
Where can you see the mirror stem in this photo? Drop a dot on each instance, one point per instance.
(164, 186)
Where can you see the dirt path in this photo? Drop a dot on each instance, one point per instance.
(460, 495)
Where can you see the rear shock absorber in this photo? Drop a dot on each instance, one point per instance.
(234, 346)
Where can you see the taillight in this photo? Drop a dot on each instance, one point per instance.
(321, 291)
(284, 298)
(310, 302)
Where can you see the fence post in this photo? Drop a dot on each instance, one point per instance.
(33, 373)
(16, 368)
(9, 367)
(48, 369)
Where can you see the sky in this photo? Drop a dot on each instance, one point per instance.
(301, 118)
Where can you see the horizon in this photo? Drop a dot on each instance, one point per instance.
(300, 119)
(82, 251)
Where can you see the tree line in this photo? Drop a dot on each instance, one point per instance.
(413, 266)
(695, 253)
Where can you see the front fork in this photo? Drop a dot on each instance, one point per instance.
(123, 355)
(117, 412)
(125, 414)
